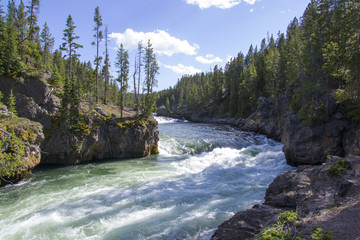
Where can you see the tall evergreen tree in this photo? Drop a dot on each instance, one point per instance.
(11, 59)
(140, 64)
(47, 41)
(106, 67)
(22, 25)
(98, 38)
(33, 10)
(2, 42)
(122, 63)
(151, 68)
(69, 45)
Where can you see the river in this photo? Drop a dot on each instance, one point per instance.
(203, 174)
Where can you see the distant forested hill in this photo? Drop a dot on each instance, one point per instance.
(318, 58)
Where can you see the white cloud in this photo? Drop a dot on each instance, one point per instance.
(223, 4)
(251, 10)
(251, 2)
(229, 58)
(162, 41)
(181, 69)
(208, 59)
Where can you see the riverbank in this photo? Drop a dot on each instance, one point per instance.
(100, 133)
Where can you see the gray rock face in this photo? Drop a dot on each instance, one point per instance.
(322, 200)
(311, 144)
(107, 139)
(33, 100)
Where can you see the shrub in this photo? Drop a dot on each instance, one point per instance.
(289, 217)
(281, 229)
(340, 168)
(320, 234)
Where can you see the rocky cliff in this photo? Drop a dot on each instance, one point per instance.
(102, 135)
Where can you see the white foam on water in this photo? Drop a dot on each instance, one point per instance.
(221, 157)
(167, 120)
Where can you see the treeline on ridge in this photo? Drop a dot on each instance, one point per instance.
(318, 58)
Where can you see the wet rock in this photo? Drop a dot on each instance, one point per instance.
(246, 224)
(321, 199)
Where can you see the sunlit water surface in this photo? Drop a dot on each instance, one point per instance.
(203, 174)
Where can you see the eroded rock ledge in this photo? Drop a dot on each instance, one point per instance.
(323, 200)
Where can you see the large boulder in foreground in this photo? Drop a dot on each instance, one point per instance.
(20, 141)
(322, 199)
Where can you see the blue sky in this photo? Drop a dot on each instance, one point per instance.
(188, 35)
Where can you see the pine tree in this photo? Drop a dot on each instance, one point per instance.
(140, 64)
(151, 68)
(33, 9)
(98, 36)
(122, 63)
(106, 66)
(2, 42)
(47, 41)
(11, 60)
(11, 103)
(69, 45)
(22, 26)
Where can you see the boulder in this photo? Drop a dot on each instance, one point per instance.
(323, 200)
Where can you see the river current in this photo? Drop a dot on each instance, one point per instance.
(203, 174)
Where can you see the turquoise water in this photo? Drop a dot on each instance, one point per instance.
(202, 176)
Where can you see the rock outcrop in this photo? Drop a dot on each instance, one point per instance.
(102, 135)
(102, 138)
(323, 200)
(20, 141)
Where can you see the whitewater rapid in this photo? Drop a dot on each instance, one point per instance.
(203, 174)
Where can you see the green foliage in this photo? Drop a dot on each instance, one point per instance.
(281, 229)
(55, 77)
(11, 103)
(12, 161)
(1, 97)
(340, 168)
(47, 42)
(69, 45)
(320, 234)
(275, 232)
(14, 139)
(289, 217)
(312, 115)
(122, 63)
